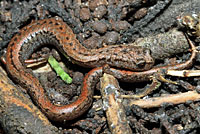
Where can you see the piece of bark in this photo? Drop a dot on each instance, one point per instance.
(158, 101)
(115, 113)
(17, 112)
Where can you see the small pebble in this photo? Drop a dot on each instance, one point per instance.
(56, 55)
(140, 13)
(100, 11)
(111, 38)
(78, 78)
(45, 50)
(100, 27)
(6, 16)
(124, 13)
(95, 3)
(120, 25)
(41, 12)
(85, 14)
(93, 42)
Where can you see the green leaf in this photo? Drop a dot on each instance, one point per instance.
(55, 65)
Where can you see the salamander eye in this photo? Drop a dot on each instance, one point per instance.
(141, 64)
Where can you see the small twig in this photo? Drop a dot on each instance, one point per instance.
(172, 98)
(35, 62)
(112, 104)
(183, 73)
(97, 97)
(160, 77)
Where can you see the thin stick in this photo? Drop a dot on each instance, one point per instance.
(172, 98)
